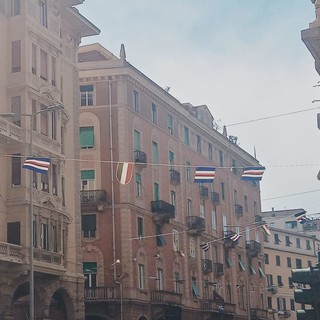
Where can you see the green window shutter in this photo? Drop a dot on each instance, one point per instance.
(89, 267)
(86, 137)
(87, 175)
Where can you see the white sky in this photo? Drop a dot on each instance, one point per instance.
(245, 60)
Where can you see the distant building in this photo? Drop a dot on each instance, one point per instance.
(141, 238)
(39, 43)
(289, 247)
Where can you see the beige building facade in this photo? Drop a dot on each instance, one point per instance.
(141, 237)
(290, 246)
(39, 42)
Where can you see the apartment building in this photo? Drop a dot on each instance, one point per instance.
(290, 246)
(40, 213)
(143, 216)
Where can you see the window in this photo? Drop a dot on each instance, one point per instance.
(16, 109)
(89, 225)
(255, 208)
(159, 279)
(269, 280)
(177, 282)
(291, 224)
(34, 59)
(186, 136)
(222, 191)
(44, 235)
(141, 276)
(176, 243)
(215, 254)
(16, 56)
(136, 140)
(198, 144)
(298, 243)
(43, 65)
(16, 170)
(202, 209)
(245, 204)
(309, 263)
(279, 279)
(154, 113)
(266, 258)
(54, 180)
(138, 185)
(13, 233)
(173, 198)
(188, 171)
(276, 238)
(214, 219)
(308, 244)
(210, 152)
(53, 71)
(159, 237)
(298, 264)
(234, 167)
(281, 302)
(171, 160)
(43, 13)
(269, 302)
(221, 160)
(189, 207)
(15, 7)
(155, 155)
(241, 264)
(288, 242)
(195, 289)
(140, 228)
(170, 124)
(290, 282)
(235, 197)
(135, 101)
(87, 180)
(155, 191)
(278, 261)
(45, 182)
(289, 262)
(292, 304)
(192, 248)
(90, 273)
(86, 95)
(86, 137)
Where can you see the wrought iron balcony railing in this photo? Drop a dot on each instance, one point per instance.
(174, 176)
(93, 197)
(140, 157)
(206, 266)
(162, 210)
(253, 248)
(166, 297)
(195, 224)
(218, 269)
(204, 192)
(215, 199)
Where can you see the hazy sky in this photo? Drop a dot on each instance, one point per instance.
(245, 60)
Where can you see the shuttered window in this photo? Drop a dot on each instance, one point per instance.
(86, 137)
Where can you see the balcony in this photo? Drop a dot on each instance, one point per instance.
(238, 210)
(163, 211)
(196, 225)
(140, 157)
(95, 199)
(9, 131)
(11, 252)
(204, 192)
(272, 289)
(166, 297)
(208, 305)
(228, 242)
(229, 308)
(174, 176)
(257, 314)
(283, 314)
(99, 294)
(215, 198)
(47, 256)
(253, 248)
(218, 269)
(206, 266)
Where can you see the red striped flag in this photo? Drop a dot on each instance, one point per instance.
(124, 172)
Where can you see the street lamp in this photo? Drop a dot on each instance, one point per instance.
(51, 108)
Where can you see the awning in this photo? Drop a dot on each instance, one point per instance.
(195, 289)
(252, 271)
(242, 266)
(261, 273)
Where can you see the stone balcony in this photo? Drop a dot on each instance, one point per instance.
(11, 253)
